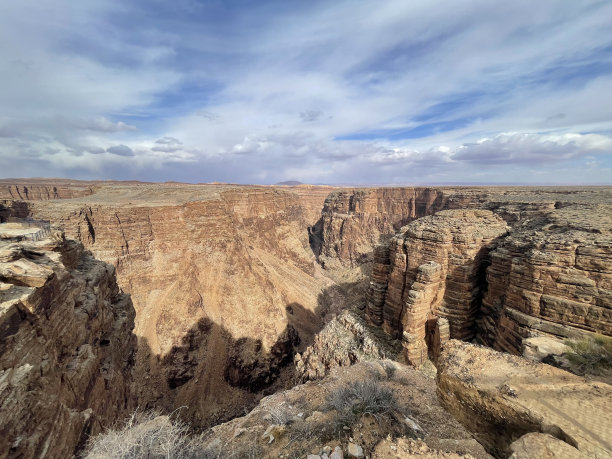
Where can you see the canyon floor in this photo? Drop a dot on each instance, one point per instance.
(241, 293)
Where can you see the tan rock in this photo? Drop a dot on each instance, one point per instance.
(66, 349)
(500, 397)
(543, 446)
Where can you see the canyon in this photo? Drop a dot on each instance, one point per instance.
(240, 292)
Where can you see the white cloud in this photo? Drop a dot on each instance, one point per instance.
(516, 83)
(532, 148)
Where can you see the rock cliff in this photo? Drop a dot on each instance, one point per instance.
(43, 190)
(551, 276)
(354, 221)
(66, 347)
(521, 270)
(432, 269)
(211, 270)
(227, 288)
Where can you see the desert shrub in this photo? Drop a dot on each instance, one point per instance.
(280, 415)
(390, 369)
(360, 398)
(590, 356)
(147, 435)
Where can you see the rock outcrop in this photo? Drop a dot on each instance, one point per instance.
(43, 190)
(354, 221)
(434, 269)
(301, 421)
(552, 276)
(345, 340)
(501, 397)
(66, 347)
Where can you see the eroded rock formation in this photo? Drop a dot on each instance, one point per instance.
(551, 276)
(43, 190)
(501, 397)
(435, 269)
(345, 340)
(234, 257)
(354, 221)
(66, 347)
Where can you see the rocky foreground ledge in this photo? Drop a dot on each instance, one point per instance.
(514, 406)
(66, 347)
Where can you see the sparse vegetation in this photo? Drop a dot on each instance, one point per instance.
(147, 435)
(280, 415)
(590, 356)
(358, 399)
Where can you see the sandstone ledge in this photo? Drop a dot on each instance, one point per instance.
(500, 397)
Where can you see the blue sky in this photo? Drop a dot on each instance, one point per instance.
(344, 92)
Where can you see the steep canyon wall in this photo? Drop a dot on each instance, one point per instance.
(66, 348)
(519, 270)
(223, 281)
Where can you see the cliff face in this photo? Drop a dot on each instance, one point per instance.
(551, 276)
(66, 347)
(354, 221)
(435, 270)
(42, 191)
(211, 271)
(548, 273)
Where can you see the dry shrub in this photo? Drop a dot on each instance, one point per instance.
(147, 435)
(590, 356)
(358, 399)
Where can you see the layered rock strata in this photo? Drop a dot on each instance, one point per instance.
(66, 347)
(354, 221)
(552, 276)
(41, 190)
(211, 270)
(436, 269)
(502, 398)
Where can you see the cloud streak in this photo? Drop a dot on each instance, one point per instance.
(338, 92)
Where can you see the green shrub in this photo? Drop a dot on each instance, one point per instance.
(590, 356)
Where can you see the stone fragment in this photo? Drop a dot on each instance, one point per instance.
(274, 432)
(543, 446)
(354, 450)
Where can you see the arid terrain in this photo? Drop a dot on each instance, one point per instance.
(242, 293)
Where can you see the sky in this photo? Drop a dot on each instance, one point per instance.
(344, 92)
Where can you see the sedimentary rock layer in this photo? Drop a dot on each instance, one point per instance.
(354, 221)
(551, 276)
(500, 398)
(436, 268)
(66, 347)
(211, 271)
(42, 190)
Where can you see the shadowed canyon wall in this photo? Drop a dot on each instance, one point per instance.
(189, 256)
(353, 221)
(66, 348)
